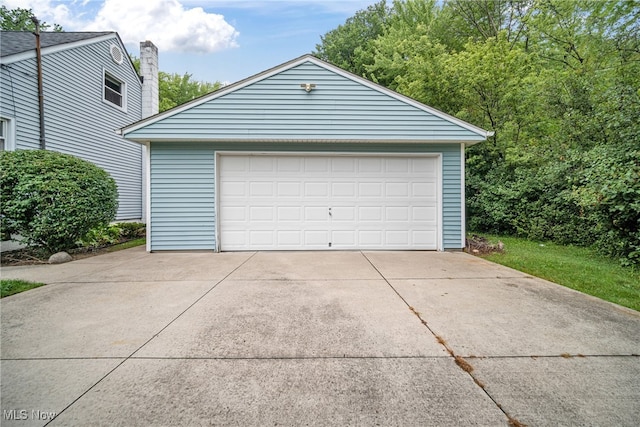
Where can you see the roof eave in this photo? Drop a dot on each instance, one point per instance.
(146, 140)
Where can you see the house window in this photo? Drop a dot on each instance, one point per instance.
(6, 134)
(114, 91)
(3, 134)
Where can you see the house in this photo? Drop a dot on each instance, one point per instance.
(90, 89)
(305, 156)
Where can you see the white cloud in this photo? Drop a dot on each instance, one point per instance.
(167, 24)
(45, 10)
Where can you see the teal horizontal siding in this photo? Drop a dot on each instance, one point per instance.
(182, 197)
(278, 108)
(183, 187)
(77, 121)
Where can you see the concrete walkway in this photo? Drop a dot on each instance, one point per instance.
(311, 338)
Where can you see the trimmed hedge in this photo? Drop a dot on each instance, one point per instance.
(53, 199)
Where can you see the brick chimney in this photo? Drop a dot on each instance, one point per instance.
(149, 73)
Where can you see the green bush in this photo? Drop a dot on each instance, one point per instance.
(102, 235)
(132, 230)
(53, 199)
(585, 197)
(110, 234)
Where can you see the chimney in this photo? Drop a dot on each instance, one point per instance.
(149, 73)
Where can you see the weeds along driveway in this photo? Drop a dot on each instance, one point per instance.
(311, 338)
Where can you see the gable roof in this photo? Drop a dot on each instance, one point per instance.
(19, 45)
(12, 42)
(271, 106)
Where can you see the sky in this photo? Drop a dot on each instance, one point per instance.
(213, 40)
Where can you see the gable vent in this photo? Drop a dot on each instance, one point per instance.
(116, 54)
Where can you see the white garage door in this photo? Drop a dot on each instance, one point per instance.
(308, 202)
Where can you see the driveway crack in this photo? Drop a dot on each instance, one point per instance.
(459, 360)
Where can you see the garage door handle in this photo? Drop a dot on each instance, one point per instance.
(330, 212)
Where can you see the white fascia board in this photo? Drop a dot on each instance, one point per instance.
(145, 139)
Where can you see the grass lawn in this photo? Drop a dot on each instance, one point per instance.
(126, 245)
(10, 286)
(574, 267)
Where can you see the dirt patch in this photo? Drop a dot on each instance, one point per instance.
(480, 245)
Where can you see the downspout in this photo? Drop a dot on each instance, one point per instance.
(40, 89)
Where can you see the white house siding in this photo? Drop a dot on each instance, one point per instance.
(77, 121)
(183, 213)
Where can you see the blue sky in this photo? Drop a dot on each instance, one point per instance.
(214, 40)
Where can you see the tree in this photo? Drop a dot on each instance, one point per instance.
(176, 89)
(350, 45)
(409, 58)
(19, 19)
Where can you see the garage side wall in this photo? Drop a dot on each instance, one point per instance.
(183, 196)
(182, 212)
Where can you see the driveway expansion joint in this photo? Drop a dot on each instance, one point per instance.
(148, 341)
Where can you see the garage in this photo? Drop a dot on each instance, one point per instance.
(322, 202)
(304, 156)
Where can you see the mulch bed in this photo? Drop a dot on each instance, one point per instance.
(32, 256)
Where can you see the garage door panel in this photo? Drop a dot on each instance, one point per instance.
(343, 239)
(370, 189)
(288, 189)
(343, 189)
(327, 202)
(261, 238)
(424, 189)
(289, 238)
(289, 164)
(316, 238)
(370, 165)
(370, 213)
(397, 189)
(394, 165)
(233, 189)
(316, 164)
(316, 189)
(343, 164)
(261, 213)
(343, 213)
(424, 213)
(260, 189)
(289, 213)
(316, 213)
(397, 238)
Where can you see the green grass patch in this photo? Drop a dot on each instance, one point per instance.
(577, 268)
(127, 245)
(10, 286)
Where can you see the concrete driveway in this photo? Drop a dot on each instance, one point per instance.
(311, 338)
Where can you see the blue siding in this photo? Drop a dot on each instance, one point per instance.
(277, 108)
(77, 121)
(183, 187)
(182, 197)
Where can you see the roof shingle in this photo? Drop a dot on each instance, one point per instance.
(13, 42)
